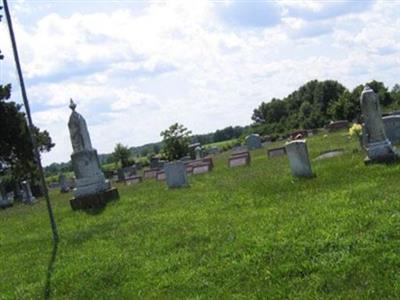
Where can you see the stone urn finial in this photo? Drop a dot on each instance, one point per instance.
(72, 104)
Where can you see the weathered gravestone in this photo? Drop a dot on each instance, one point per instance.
(176, 176)
(213, 150)
(64, 186)
(5, 201)
(150, 173)
(198, 152)
(133, 180)
(27, 196)
(392, 128)
(379, 148)
(160, 176)
(156, 163)
(253, 141)
(337, 125)
(274, 152)
(92, 189)
(239, 158)
(299, 161)
(121, 174)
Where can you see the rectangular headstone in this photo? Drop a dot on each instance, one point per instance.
(176, 175)
(274, 152)
(299, 161)
(150, 173)
(201, 168)
(239, 159)
(160, 176)
(133, 180)
(392, 128)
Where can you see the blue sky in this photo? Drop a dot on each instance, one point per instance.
(135, 67)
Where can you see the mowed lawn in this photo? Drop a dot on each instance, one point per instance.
(250, 232)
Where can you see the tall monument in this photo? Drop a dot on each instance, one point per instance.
(379, 148)
(92, 189)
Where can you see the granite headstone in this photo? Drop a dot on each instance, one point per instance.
(378, 146)
(175, 173)
(253, 141)
(92, 189)
(299, 161)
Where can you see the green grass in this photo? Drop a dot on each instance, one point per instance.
(250, 232)
(222, 144)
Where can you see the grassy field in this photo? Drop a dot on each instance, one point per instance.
(250, 232)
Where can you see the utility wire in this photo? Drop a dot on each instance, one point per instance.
(30, 123)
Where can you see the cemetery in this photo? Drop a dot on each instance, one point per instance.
(303, 203)
(235, 226)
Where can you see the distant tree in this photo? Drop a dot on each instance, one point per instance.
(176, 141)
(121, 154)
(395, 93)
(156, 149)
(385, 98)
(307, 107)
(16, 149)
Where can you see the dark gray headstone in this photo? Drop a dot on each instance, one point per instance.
(27, 196)
(64, 186)
(253, 141)
(378, 146)
(175, 173)
(5, 201)
(392, 128)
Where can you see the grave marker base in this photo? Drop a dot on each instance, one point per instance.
(95, 201)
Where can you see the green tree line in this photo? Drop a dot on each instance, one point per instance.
(316, 103)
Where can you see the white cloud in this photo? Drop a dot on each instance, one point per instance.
(134, 73)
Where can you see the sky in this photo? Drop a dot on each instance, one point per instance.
(136, 67)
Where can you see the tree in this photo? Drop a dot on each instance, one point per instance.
(121, 154)
(395, 93)
(385, 97)
(176, 141)
(16, 149)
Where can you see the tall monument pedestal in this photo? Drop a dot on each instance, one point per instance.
(93, 201)
(92, 190)
(379, 148)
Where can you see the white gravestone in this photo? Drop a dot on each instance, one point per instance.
(378, 146)
(299, 161)
(175, 173)
(199, 152)
(27, 196)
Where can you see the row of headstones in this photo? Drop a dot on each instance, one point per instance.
(296, 151)
(173, 173)
(7, 199)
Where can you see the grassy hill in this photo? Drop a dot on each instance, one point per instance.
(249, 232)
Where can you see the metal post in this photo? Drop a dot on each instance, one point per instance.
(30, 123)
